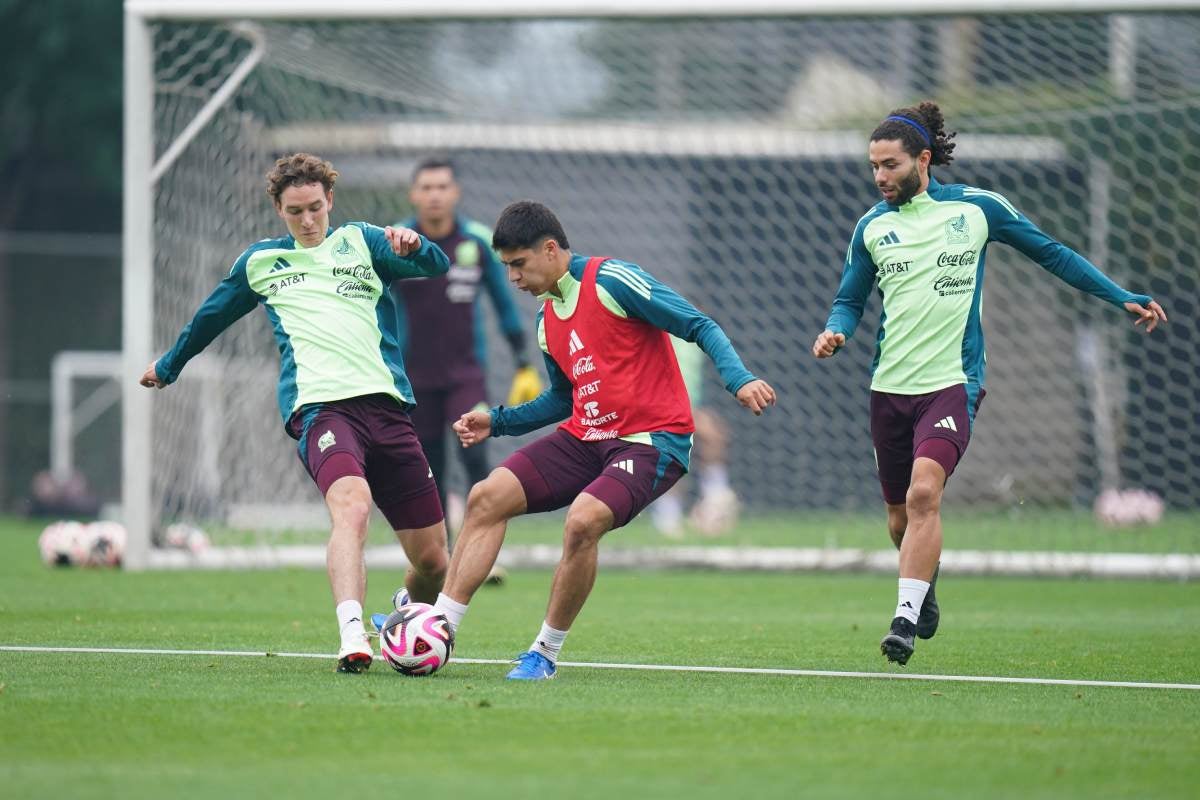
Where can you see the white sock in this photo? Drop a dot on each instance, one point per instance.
(713, 478)
(548, 642)
(454, 610)
(912, 595)
(667, 512)
(349, 617)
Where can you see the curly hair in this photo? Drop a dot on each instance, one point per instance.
(917, 128)
(299, 169)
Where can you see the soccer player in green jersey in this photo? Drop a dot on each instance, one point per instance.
(926, 244)
(343, 392)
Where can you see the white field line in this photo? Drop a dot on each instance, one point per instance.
(797, 673)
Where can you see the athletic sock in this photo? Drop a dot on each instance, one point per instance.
(713, 478)
(454, 610)
(667, 513)
(349, 617)
(912, 595)
(548, 642)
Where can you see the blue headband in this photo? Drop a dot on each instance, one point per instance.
(920, 128)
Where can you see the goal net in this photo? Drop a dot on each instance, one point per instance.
(726, 155)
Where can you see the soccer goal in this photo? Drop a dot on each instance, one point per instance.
(722, 146)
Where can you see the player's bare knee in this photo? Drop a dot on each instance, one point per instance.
(923, 498)
(349, 511)
(431, 564)
(486, 501)
(582, 530)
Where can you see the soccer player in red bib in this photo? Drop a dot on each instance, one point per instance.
(627, 434)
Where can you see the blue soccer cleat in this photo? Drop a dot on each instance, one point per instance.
(532, 666)
(399, 599)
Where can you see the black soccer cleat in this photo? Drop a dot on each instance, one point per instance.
(898, 644)
(927, 622)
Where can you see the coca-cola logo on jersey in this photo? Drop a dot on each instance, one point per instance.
(582, 366)
(963, 259)
(358, 272)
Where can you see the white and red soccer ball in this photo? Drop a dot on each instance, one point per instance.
(74, 544)
(416, 639)
(1126, 508)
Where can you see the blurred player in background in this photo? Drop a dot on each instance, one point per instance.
(342, 392)
(628, 433)
(445, 355)
(925, 244)
(716, 510)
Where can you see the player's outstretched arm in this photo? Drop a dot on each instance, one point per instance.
(473, 427)
(827, 343)
(1149, 315)
(756, 396)
(150, 378)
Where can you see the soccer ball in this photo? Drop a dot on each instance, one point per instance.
(73, 544)
(63, 544)
(416, 639)
(105, 544)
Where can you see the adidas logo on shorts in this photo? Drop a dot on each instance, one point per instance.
(946, 422)
(626, 465)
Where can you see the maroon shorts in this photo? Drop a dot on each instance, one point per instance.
(624, 476)
(370, 437)
(438, 409)
(905, 427)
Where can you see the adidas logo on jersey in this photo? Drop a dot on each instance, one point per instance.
(280, 264)
(889, 240)
(946, 422)
(626, 465)
(576, 343)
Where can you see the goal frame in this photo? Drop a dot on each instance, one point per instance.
(142, 172)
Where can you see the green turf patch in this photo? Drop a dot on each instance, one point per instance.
(91, 725)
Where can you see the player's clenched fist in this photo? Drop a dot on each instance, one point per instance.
(150, 378)
(828, 343)
(403, 240)
(756, 396)
(473, 427)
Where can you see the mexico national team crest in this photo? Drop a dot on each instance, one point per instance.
(466, 254)
(326, 441)
(957, 230)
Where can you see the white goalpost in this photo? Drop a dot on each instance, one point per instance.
(660, 122)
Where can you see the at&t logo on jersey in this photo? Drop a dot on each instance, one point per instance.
(291, 280)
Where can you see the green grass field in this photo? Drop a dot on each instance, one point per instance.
(116, 725)
(1009, 529)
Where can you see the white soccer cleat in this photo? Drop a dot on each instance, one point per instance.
(355, 655)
